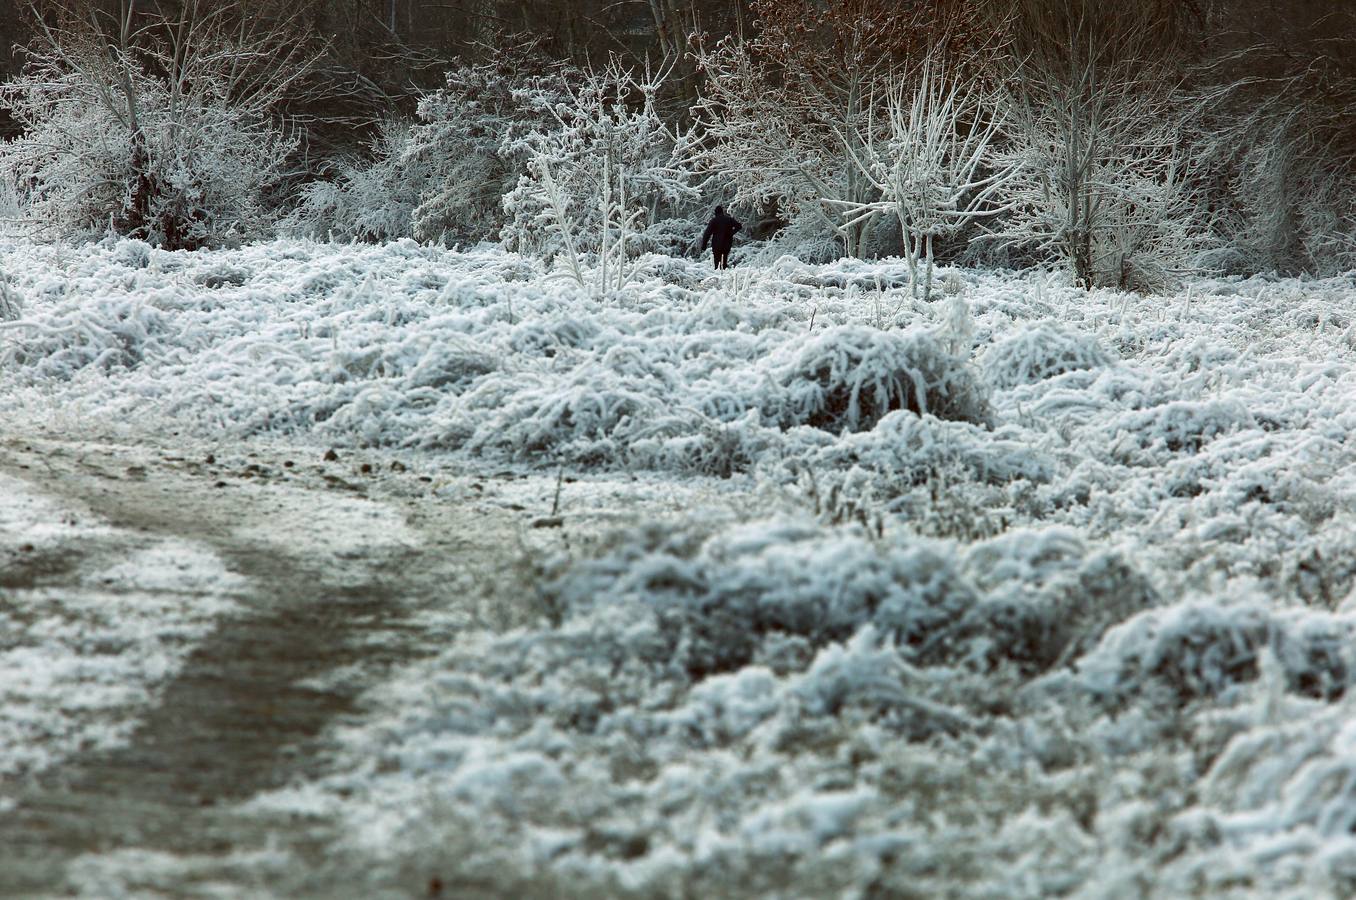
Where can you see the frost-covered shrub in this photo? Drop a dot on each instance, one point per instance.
(944, 479)
(934, 173)
(443, 176)
(687, 441)
(366, 199)
(597, 174)
(867, 675)
(748, 594)
(1289, 197)
(168, 134)
(674, 236)
(848, 378)
(1100, 181)
(722, 600)
(1207, 648)
(1040, 351)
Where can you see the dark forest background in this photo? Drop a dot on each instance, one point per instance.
(383, 53)
(1257, 160)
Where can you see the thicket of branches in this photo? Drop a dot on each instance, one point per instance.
(159, 127)
(1131, 144)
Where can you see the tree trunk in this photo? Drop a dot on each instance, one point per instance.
(927, 285)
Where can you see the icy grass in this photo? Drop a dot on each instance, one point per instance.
(1048, 592)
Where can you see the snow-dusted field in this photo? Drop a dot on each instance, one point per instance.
(1022, 592)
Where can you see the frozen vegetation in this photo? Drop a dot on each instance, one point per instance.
(1024, 591)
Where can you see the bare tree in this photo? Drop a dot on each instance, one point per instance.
(599, 176)
(787, 110)
(933, 167)
(154, 126)
(1096, 116)
(1277, 128)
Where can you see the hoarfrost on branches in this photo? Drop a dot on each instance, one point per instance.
(935, 169)
(597, 175)
(164, 130)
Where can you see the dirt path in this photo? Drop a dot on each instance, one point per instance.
(342, 560)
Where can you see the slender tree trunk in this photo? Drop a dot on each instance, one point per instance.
(607, 214)
(913, 245)
(927, 285)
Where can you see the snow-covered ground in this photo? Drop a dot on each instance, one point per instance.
(76, 665)
(1024, 591)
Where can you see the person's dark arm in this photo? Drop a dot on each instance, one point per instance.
(706, 235)
(737, 226)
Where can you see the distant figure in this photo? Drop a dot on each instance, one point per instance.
(720, 232)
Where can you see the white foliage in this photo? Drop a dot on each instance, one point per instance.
(596, 175)
(1097, 177)
(1107, 628)
(784, 138)
(1036, 353)
(441, 177)
(935, 171)
(368, 199)
(166, 133)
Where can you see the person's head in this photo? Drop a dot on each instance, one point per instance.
(720, 210)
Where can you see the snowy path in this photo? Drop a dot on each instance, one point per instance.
(323, 582)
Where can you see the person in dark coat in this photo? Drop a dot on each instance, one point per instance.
(720, 232)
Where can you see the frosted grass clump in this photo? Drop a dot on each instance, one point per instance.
(904, 449)
(116, 335)
(1040, 351)
(849, 378)
(1181, 426)
(1208, 648)
(1046, 596)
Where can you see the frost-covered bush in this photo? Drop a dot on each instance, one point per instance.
(934, 171)
(848, 378)
(1038, 352)
(167, 132)
(1206, 648)
(1280, 148)
(443, 176)
(1099, 181)
(116, 335)
(369, 199)
(597, 175)
(784, 112)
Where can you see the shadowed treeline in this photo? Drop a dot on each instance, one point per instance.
(1134, 144)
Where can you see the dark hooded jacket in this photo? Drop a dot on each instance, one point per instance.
(720, 231)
